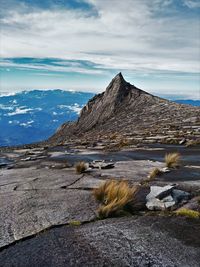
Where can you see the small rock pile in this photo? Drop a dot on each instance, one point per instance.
(162, 198)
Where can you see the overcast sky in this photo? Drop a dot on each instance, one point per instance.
(82, 44)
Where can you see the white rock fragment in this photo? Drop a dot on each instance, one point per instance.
(160, 198)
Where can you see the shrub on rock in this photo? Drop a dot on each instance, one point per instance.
(114, 196)
(172, 160)
(81, 167)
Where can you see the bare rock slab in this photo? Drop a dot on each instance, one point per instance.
(24, 213)
(133, 170)
(132, 242)
(33, 178)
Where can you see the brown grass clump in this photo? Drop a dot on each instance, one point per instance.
(81, 167)
(188, 213)
(155, 172)
(172, 160)
(152, 175)
(114, 197)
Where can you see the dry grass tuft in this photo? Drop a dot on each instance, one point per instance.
(172, 160)
(114, 197)
(81, 167)
(155, 172)
(152, 175)
(188, 213)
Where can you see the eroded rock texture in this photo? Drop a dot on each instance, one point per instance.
(134, 113)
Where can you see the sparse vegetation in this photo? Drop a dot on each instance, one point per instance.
(114, 197)
(74, 223)
(188, 213)
(172, 160)
(81, 167)
(152, 175)
(155, 172)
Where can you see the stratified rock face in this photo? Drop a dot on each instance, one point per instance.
(118, 96)
(125, 109)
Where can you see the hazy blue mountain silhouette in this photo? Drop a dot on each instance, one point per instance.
(31, 116)
(189, 102)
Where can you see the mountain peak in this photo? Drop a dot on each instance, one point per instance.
(118, 96)
(119, 76)
(117, 80)
(126, 109)
(117, 88)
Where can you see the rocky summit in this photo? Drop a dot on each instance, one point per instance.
(119, 187)
(126, 110)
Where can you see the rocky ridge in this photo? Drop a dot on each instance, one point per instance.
(125, 110)
(47, 206)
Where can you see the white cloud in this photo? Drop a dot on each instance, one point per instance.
(76, 108)
(46, 67)
(5, 107)
(14, 122)
(19, 111)
(3, 94)
(192, 3)
(27, 124)
(127, 35)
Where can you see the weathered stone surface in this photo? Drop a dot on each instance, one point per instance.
(134, 170)
(34, 198)
(87, 182)
(24, 213)
(32, 178)
(192, 204)
(130, 241)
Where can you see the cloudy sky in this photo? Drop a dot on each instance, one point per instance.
(82, 44)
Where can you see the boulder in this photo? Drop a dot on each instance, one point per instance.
(101, 164)
(160, 198)
(165, 197)
(157, 204)
(180, 195)
(159, 192)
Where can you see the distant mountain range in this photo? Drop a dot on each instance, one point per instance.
(189, 102)
(32, 116)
